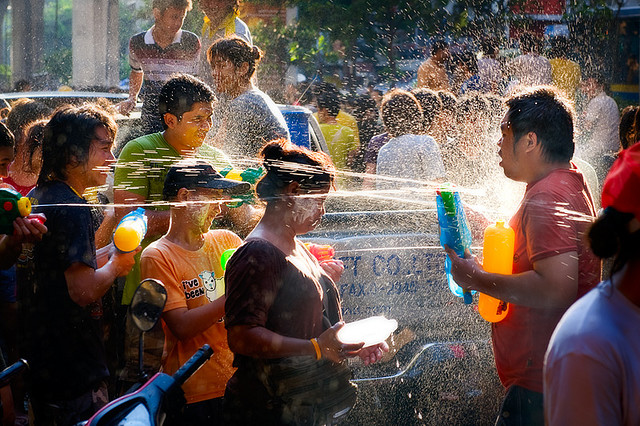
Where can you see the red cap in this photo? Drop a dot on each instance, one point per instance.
(621, 189)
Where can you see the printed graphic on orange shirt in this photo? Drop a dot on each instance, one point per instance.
(213, 285)
(192, 289)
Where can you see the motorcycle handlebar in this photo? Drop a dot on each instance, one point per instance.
(13, 370)
(192, 365)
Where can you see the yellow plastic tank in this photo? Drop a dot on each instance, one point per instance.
(499, 240)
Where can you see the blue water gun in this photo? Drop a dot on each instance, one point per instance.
(454, 232)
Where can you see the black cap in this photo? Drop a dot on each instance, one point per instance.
(199, 174)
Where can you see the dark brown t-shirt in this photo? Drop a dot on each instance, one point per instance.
(281, 293)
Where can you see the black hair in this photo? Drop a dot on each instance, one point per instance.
(34, 135)
(68, 136)
(438, 45)
(430, 103)
(546, 113)
(530, 43)
(364, 104)
(609, 236)
(629, 126)
(471, 106)
(327, 97)
(448, 99)
(163, 5)
(401, 113)
(238, 51)
(23, 112)
(286, 163)
(489, 46)
(179, 93)
(6, 137)
(466, 59)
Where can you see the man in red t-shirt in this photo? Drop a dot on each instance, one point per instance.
(552, 267)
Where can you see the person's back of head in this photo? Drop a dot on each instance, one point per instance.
(610, 235)
(22, 86)
(550, 116)
(529, 43)
(431, 106)
(286, 163)
(473, 108)
(162, 5)
(629, 126)
(328, 98)
(23, 112)
(34, 135)
(401, 113)
(365, 107)
(68, 136)
(238, 51)
(437, 46)
(448, 99)
(559, 47)
(489, 46)
(180, 92)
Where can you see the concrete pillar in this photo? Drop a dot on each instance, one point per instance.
(95, 43)
(27, 38)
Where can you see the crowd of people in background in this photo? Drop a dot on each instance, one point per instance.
(472, 115)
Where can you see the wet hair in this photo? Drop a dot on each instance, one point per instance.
(34, 135)
(286, 163)
(21, 85)
(489, 46)
(559, 47)
(179, 93)
(401, 113)
(6, 137)
(364, 104)
(163, 5)
(629, 126)
(23, 112)
(236, 50)
(327, 97)
(609, 236)
(471, 106)
(546, 113)
(529, 43)
(430, 103)
(438, 45)
(68, 136)
(448, 99)
(467, 59)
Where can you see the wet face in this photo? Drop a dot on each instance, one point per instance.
(510, 150)
(169, 21)
(224, 73)
(193, 126)
(100, 158)
(6, 157)
(202, 208)
(307, 211)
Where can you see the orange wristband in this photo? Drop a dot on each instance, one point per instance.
(316, 346)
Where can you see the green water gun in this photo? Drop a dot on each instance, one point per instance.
(250, 175)
(14, 205)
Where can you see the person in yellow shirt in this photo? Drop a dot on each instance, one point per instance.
(187, 261)
(565, 73)
(341, 140)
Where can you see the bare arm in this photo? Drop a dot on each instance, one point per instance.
(87, 285)
(259, 342)
(186, 323)
(552, 284)
(135, 84)
(157, 221)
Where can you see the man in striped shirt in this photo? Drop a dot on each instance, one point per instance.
(157, 53)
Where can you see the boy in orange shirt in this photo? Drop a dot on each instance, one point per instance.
(187, 261)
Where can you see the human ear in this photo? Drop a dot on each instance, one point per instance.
(170, 120)
(532, 141)
(244, 69)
